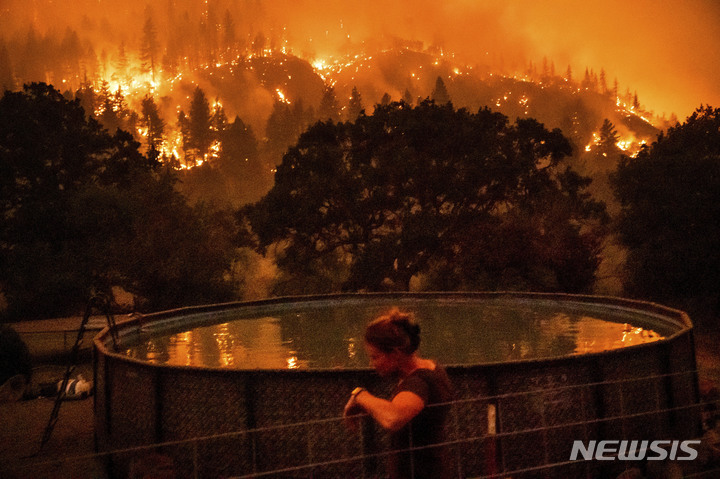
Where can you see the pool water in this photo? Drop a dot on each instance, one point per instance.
(330, 335)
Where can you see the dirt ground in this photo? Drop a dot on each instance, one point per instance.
(22, 426)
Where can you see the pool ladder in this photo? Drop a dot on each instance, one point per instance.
(102, 303)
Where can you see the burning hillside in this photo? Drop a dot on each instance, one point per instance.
(278, 67)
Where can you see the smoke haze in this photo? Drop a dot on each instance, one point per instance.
(669, 52)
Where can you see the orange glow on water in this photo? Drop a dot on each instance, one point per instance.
(282, 343)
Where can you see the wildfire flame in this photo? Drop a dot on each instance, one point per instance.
(281, 96)
(134, 82)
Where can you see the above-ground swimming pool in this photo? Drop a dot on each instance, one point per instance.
(328, 334)
(532, 372)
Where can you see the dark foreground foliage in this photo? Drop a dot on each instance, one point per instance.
(670, 219)
(83, 210)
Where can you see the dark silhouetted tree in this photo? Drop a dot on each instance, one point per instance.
(86, 209)
(71, 52)
(109, 116)
(547, 74)
(209, 29)
(240, 164)
(152, 122)
(607, 147)
(329, 108)
(90, 67)
(410, 191)
(440, 94)
(355, 106)
(239, 151)
(7, 76)
(87, 97)
(32, 67)
(531, 71)
(229, 33)
(603, 82)
(121, 65)
(616, 90)
(149, 46)
(302, 117)
(281, 129)
(579, 122)
(219, 119)
(586, 83)
(670, 219)
(103, 64)
(407, 98)
(183, 124)
(115, 112)
(199, 126)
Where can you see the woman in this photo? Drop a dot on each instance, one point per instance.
(416, 415)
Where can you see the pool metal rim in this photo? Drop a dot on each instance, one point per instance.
(671, 317)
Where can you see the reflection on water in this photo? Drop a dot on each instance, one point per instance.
(331, 337)
(225, 342)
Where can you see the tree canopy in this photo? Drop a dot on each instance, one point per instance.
(607, 145)
(355, 106)
(149, 45)
(467, 199)
(329, 108)
(84, 210)
(670, 218)
(152, 122)
(440, 94)
(199, 125)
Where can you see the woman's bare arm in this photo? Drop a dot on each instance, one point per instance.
(391, 415)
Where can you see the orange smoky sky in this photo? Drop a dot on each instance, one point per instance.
(667, 52)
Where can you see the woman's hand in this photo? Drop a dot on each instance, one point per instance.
(351, 414)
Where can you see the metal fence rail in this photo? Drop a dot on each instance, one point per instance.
(188, 458)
